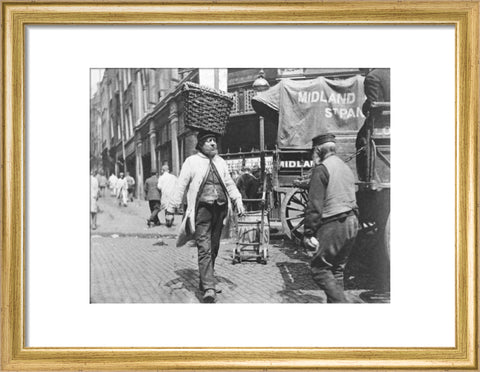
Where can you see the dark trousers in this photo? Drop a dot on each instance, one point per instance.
(131, 191)
(154, 208)
(336, 240)
(208, 229)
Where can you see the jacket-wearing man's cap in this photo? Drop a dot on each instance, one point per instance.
(323, 138)
(203, 135)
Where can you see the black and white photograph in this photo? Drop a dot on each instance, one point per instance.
(239, 173)
(240, 185)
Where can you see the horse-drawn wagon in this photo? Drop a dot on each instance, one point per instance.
(307, 108)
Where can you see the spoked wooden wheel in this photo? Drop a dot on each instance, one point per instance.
(293, 213)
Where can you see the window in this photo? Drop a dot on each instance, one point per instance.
(112, 132)
(248, 100)
(99, 129)
(130, 119)
(127, 78)
(152, 97)
(129, 122)
(235, 106)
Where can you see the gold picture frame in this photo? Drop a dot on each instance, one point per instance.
(17, 15)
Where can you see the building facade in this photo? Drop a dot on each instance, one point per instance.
(137, 120)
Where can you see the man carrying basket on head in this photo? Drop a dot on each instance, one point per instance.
(210, 192)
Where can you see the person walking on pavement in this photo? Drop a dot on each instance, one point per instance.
(94, 190)
(210, 191)
(122, 190)
(152, 194)
(331, 223)
(130, 186)
(112, 184)
(102, 183)
(166, 184)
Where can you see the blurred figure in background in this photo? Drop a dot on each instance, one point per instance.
(248, 185)
(152, 194)
(102, 183)
(112, 184)
(94, 190)
(122, 190)
(166, 184)
(130, 186)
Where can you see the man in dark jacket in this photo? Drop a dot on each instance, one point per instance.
(247, 184)
(377, 89)
(331, 224)
(152, 194)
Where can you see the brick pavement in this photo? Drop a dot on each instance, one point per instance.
(129, 220)
(131, 263)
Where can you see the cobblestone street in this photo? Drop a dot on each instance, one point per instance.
(131, 263)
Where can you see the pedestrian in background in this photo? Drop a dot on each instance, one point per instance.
(210, 188)
(94, 190)
(331, 223)
(122, 190)
(248, 184)
(102, 183)
(166, 184)
(130, 186)
(112, 184)
(152, 194)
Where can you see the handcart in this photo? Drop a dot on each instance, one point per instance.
(253, 233)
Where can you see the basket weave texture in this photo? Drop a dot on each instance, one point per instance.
(206, 108)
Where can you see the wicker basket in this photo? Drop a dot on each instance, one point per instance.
(206, 108)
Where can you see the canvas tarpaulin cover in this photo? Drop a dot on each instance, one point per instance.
(307, 108)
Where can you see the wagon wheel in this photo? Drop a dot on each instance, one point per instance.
(293, 213)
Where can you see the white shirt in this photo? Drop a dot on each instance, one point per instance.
(112, 180)
(121, 184)
(93, 186)
(166, 184)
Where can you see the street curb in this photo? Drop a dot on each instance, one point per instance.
(116, 235)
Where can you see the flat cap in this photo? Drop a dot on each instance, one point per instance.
(323, 138)
(204, 134)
